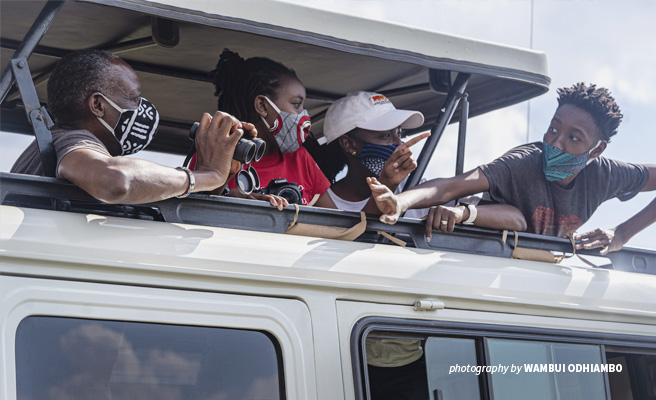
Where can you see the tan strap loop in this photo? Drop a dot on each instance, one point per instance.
(314, 199)
(392, 238)
(295, 216)
(328, 232)
(522, 253)
(587, 262)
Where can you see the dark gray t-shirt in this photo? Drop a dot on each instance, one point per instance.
(64, 141)
(516, 178)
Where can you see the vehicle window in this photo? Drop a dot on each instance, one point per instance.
(67, 358)
(637, 379)
(396, 368)
(418, 365)
(554, 378)
(443, 356)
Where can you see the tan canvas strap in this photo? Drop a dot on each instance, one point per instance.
(392, 238)
(523, 253)
(314, 199)
(327, 232)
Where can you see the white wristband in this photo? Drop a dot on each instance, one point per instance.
(192, 182)
(472, 215)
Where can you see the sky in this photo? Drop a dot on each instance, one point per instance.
(595, 41)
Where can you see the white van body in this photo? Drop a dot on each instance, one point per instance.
(98, 305)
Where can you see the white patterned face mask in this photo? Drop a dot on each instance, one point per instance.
(135, 128)
(289, 130)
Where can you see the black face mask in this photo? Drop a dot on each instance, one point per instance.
(135, 128)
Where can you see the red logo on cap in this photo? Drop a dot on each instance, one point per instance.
(379, 99)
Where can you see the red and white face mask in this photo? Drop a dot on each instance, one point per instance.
(289, 130)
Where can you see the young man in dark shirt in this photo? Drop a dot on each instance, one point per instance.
(556, 184)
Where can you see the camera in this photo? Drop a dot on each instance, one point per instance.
(288, 190)
(248, 148)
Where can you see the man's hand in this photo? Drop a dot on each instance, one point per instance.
(386, 201)
(215, 144)
(607, 239)
(400, 164)
(443, 218)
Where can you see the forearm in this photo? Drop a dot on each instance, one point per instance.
(637, 223)
(121, 180)
(430, 193)
(499, 216)
(443, 190)
(148, 182)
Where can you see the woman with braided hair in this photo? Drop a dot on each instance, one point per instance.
(271, 97)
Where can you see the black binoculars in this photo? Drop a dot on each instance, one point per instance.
(248, 148)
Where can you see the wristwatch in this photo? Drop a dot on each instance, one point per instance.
(472, 215)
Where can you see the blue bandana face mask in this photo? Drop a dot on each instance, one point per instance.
(558, 165)
(374, 156)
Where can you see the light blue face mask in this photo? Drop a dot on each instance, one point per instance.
(558, 165)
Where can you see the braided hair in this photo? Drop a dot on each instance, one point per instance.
(238, 81)
(596, 101)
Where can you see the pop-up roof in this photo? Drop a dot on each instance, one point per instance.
(332, 54)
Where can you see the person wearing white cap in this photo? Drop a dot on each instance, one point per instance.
(362, 131)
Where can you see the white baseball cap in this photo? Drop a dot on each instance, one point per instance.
(366, 110)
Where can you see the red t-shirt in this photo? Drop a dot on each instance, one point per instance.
(297, 167)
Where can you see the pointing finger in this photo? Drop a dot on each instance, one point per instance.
(417, 139)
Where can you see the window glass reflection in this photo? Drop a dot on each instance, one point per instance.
(65, 358)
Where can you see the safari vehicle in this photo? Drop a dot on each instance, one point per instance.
(209, 297)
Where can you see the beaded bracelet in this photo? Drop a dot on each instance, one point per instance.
(192, 182)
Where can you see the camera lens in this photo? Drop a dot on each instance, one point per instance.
(291, 194)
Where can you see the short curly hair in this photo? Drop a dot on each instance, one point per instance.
(77, 76)
(596, 101)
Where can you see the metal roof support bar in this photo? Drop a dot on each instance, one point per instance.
(446, 113)
(37, 115)
(462, 133)
(32, 38)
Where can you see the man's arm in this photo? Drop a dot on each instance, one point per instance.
(133, 181)
(493, 216)
(434, 192)
(614, 239)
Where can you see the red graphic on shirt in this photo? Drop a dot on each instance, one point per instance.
(546, 221)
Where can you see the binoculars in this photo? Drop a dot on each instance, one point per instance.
(248, 148)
